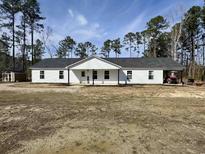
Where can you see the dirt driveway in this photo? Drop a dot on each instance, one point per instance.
(49, 119)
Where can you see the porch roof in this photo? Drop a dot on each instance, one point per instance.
(94, 63)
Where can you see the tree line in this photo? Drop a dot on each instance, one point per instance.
(184, 41)
(16, 34)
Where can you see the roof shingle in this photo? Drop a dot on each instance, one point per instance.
(137, 63)
(147, 63)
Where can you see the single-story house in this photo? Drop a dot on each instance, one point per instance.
(103, 71)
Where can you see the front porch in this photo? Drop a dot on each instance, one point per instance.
(94, 76)
(94, 71)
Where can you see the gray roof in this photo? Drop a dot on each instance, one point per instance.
(56, 63)
(137, 63)
(147, 63)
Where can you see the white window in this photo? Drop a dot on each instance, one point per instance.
(61, 74)
(151, 75)
(83, 74)
(129, 75)
(42, 75)
(107, 75)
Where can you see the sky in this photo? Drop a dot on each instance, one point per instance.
(98, 20)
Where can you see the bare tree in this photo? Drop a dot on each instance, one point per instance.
(203, 49)
(46, 37)
(176, 30)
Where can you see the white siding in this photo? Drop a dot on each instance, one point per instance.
(138, 77)
(51, 76)
(95, 64)
(141, 77)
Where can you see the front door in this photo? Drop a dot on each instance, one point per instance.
(88, 76)
(88, 79)
(94, 76)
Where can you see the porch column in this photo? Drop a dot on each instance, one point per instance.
(13, 77)
(93, 77)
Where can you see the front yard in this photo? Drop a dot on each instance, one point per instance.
(45, 119)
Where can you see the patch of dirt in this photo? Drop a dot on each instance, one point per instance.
(30, 88)
(91, 120)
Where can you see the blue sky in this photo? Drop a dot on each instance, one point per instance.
(98, 20)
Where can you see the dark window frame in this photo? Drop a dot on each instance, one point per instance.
(61, 75)
(42, 74)
(129, 75)
(106, 75)
(95, 75)
(151, 75)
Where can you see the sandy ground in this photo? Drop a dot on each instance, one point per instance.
(29, 87)
(139, 90)
(50, 119)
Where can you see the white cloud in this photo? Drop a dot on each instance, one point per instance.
(71, 13)
(89, 32)
(96, 25)
(86, 34)
(135, 25)
(81, 28)
(82, 20)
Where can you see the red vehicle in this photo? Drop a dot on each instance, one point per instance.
(171, 79)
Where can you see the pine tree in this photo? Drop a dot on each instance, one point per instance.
(9, 8)
(81, 50)
(138, 42)
(23, 27)
(191, 27)
(106, 49)
(155, 27)
(34, 17)
(130, 42)
(116, 47)
(66, 47)
(39, 50)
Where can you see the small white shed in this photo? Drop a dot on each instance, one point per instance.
(10, 76)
